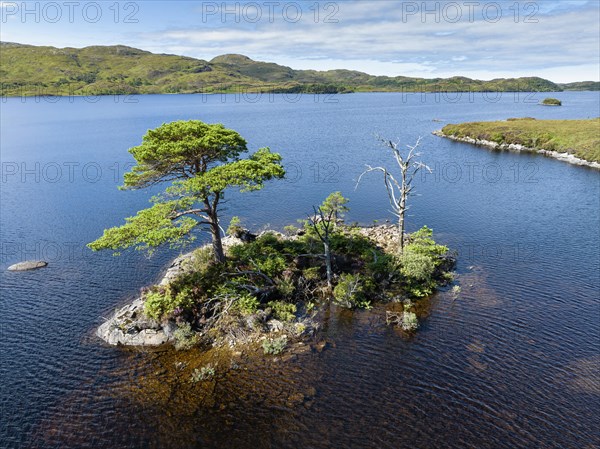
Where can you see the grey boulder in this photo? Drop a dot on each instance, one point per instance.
(28, 265)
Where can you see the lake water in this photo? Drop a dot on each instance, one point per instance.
(513, 362)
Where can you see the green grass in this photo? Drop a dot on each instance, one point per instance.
(28, 70)
(578, 137)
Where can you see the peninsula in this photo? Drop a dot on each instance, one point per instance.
(573, 141)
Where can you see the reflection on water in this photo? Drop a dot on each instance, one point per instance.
(151, 400)
(374, 384)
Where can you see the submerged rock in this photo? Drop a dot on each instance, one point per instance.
(28, 265)
(130, 327)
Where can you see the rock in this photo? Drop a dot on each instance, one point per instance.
(28, 265)
(245, 235)
(130, 327)
(300, 349)
(169, 329)
(253, 322)
(275, 326)
(565, 157)
(176, 268)
(271, 232)
(289, 357)
(386, 236)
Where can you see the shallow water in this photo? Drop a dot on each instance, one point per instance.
(513, 362)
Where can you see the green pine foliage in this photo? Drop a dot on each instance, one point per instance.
(199, 162)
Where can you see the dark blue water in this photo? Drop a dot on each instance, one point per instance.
(513, 362)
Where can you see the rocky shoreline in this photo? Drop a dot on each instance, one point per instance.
(128, 325)
(565, 157)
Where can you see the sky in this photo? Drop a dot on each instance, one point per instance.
(558, 40)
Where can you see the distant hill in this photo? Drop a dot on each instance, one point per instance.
(581, 85)
(118, 69)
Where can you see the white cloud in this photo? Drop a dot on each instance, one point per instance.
(390, 46)
(375, 37)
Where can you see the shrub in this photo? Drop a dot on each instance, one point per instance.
(286, 287)
(350, 292)
(246, 304)
(201, 259)
(417, 266)
(155, 304)
(381, 265)
(290, 230)
(235, 226)
(185, 337)
(263, 254)
(272, 265)
(336, 204)
(283, 311)
(409, 321)
(274, 346)
(158, 304)
(419, 261)
(268, 239)
(299, 328)
(312, 273)
(422, 243)
(207, 372)
(497, 137)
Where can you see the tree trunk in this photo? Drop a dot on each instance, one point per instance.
(328, 264)
(217, 244)
(215, 230)
(403, 196)
(401, 229)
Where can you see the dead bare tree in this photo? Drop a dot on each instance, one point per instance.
(399, 190)
(323, 225)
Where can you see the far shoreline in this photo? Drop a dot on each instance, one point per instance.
(564, 157)
(243, 91)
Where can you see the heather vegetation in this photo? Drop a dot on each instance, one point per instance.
(279, 282)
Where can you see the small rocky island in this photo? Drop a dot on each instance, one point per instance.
(551, 102)
(268, 287)
(274, 285)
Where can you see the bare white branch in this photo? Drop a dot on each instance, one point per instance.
(399, 190)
